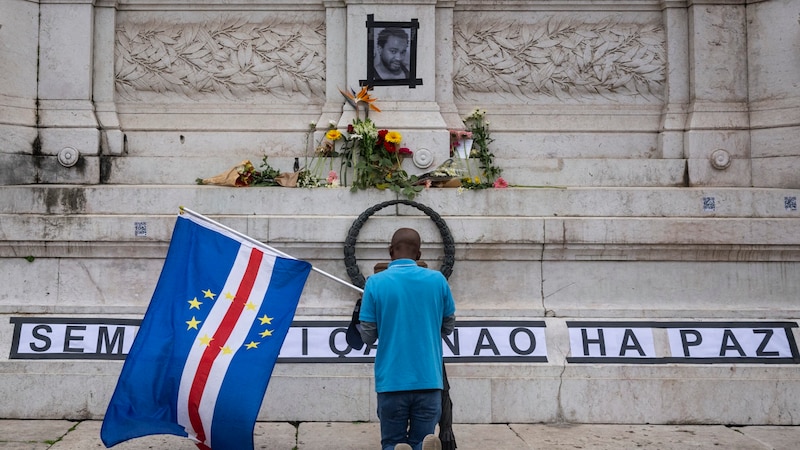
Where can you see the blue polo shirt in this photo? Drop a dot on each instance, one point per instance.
(408, 304)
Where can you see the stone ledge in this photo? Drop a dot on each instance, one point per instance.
(483, 251)
(512, 202)
(517, 231)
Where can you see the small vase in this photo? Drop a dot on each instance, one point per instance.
(464, 148)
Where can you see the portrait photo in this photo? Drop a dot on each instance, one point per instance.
(391, 53)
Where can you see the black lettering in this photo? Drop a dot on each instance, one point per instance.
(727, 336)
(687, 343)
(453, 345)
(634, 345)
(103, 341)
(764, 342)
(600, 341)
(37, 333)
(489, 343)
(512, 340)
(68, 338)
(369, 347)
(304, 340)
(332, 342)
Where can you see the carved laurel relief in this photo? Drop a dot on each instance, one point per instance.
(565, 58)
(229, 58)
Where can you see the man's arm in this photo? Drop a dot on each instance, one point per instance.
(448, 325)
(369, 332)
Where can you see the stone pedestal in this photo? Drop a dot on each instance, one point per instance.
(410, 110)
(670, 139)
(774, 89)
(717, 137)
(18, 58)
(103, 79)
(68, 128)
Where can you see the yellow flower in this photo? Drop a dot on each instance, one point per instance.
(333, 135)
(394, 137)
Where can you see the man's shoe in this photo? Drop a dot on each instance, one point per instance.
(402, 447)
(431, 442)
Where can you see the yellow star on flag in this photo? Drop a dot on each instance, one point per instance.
(208, 294)
(193, 303)
(266, 333)
(193, 323)
(226, 350)
(252, 344)
(229, 296)
(266, 320)
(205, 340)
(251, 306)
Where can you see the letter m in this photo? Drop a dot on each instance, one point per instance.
(106, 344)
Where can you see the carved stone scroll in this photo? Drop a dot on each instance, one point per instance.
(230, 58)
(561, 57)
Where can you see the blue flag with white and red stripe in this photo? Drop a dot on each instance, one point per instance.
(202, 359)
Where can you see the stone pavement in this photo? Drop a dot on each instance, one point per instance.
(85, 435)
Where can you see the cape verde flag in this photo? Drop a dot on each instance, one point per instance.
(202, 359)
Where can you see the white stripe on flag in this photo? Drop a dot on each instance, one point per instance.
(240, 331)
(208, 328)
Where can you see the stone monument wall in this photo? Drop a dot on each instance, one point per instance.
(642, 268)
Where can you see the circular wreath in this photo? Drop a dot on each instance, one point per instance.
(350, 243)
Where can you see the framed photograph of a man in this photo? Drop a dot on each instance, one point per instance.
(391, 53)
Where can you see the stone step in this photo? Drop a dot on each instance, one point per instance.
(556, 390)
(697, 202)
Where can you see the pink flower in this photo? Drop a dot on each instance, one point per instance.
(405, 151)
(500, 183)
(428, 184)
(332, 176)
(460, 134)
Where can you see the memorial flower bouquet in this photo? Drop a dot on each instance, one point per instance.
(374, 158)
(478, 128)
(317, 172)
(246, 174)
(374, 155)
(471, 162)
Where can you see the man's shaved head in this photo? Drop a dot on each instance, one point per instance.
(405, 244)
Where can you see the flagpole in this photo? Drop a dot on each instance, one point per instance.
(259, 243)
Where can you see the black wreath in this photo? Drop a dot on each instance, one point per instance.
(350, 243)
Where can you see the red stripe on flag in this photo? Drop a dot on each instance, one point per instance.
(221, 335)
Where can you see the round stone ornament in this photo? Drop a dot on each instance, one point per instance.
(423, 158)
(720, 159)
(68, 156)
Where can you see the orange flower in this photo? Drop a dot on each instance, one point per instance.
(362, 96)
